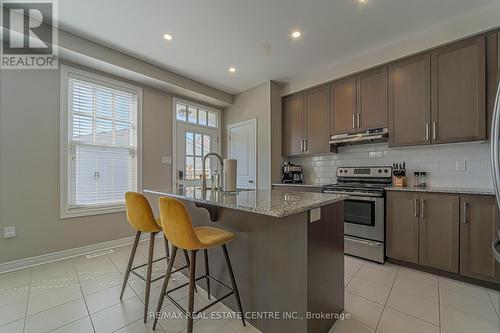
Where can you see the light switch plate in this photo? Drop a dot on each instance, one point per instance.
(166, 160)
(460, 165)
(9, 232)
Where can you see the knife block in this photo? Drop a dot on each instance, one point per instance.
(399, 181)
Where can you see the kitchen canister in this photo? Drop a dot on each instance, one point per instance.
(229, 176)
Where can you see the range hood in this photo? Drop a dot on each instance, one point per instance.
(370, 136)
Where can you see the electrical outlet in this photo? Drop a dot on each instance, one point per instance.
(460, 165)
(9, 232)
(166, 160)
(374, 154)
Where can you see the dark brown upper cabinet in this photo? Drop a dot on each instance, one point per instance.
(317, 112)
(439, 231)
(343, 105)
(458, 96)
(293, 124)
(410, 101)
(306, 122)
(371, 99)
(478, 217)
(402, 226)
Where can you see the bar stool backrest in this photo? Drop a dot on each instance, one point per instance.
(139, 213)
(177, 224)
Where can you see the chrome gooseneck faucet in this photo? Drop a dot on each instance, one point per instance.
(203, 175)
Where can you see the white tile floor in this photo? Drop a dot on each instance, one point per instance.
(82, 295)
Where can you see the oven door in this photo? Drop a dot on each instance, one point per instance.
(364, 217)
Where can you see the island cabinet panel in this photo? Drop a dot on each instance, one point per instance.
(409, 101)
(343, 106)
(372, 99)
(439, 231)
(293, 124)
(317, 111)
(402, 226)
(458, 74)
(477, 231)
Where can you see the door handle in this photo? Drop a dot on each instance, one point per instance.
(494, 250)
(464, 218)
(422, 209)
(416, 207)
(353, 120)
(250, 181)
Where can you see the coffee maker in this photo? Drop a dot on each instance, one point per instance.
(291, 174)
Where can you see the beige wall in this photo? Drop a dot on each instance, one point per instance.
(29, 166)
(263, 103)
(253, 103)
(276, 157)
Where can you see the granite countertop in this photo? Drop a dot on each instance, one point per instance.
(437, 189)
(266, 202)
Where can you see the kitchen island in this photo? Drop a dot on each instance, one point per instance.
(288, 254)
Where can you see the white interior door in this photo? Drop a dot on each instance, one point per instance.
(242, 146)
(193, 142)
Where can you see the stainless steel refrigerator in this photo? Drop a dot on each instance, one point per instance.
(495, 167)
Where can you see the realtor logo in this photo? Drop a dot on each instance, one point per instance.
(29, 33)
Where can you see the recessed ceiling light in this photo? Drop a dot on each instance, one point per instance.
(167, 36)
(362, 1)
(296, 34)
(232, 69)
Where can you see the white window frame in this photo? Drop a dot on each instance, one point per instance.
(66, 72)
(177, 100)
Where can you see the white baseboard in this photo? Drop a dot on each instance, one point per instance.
(66, 254)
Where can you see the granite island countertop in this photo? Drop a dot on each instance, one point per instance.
(274, 203)
(450, 190)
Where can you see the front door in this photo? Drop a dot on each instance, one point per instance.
(196, 134)
(242, 146)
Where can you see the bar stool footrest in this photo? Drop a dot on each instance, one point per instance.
(167, 294)
(132, 270)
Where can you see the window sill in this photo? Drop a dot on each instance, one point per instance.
(90, 211)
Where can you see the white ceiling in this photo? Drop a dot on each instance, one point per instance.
(209, 36)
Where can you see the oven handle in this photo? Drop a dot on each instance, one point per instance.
(362, 194)
(369, 243)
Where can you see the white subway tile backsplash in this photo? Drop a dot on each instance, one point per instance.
(438, 161)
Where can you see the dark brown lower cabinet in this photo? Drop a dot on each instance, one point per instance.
(449, 232)
(477, 231)
(402, 226)
(439, 231)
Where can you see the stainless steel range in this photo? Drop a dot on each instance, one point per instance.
(364, 210)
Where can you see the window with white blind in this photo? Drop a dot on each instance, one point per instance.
(100, 155)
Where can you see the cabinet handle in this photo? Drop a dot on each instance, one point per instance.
(427, 131)
(353, 120)
(464, 218)
(301, 145)
(416, 207)
(434, 130)
(305, 144)
(359, 119)
(422, 209)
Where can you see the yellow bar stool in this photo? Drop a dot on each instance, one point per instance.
(178, 229)
(141, 217)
